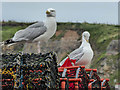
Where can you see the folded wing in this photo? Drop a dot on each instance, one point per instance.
(30, 33)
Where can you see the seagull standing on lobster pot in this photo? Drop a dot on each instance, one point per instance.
(38, 32)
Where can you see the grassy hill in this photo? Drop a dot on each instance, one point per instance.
(101, 36)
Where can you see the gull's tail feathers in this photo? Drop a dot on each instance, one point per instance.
(10, 41)
(7, 43)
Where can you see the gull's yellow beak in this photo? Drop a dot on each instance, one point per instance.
(87, 40)
(47, 12)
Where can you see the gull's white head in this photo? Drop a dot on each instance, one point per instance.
(51, 12)
(86, 35)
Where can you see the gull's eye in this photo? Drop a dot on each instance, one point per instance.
(52, 10)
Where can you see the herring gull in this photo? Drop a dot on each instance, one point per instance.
(40, 31)
(84, 54)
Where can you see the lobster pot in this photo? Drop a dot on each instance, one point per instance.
(80, 78)
(30, 71)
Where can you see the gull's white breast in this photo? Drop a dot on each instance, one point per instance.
(87, 57)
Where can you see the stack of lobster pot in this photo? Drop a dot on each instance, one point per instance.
(80, 78)
(29, 71)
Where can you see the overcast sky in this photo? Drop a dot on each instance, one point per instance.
(91, 12)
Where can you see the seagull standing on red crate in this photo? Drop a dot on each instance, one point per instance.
(82, 55)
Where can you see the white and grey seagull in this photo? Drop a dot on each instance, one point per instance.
(40, 31)
(83, 54)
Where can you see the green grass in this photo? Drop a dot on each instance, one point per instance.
(9, 31)
(101, 34)
(98, 60)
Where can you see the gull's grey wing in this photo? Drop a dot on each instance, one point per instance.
(76, 52)
(36, 25)
(78, 56)
(31, 32)
(19, 36)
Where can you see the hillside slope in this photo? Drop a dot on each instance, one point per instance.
(104, 41)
